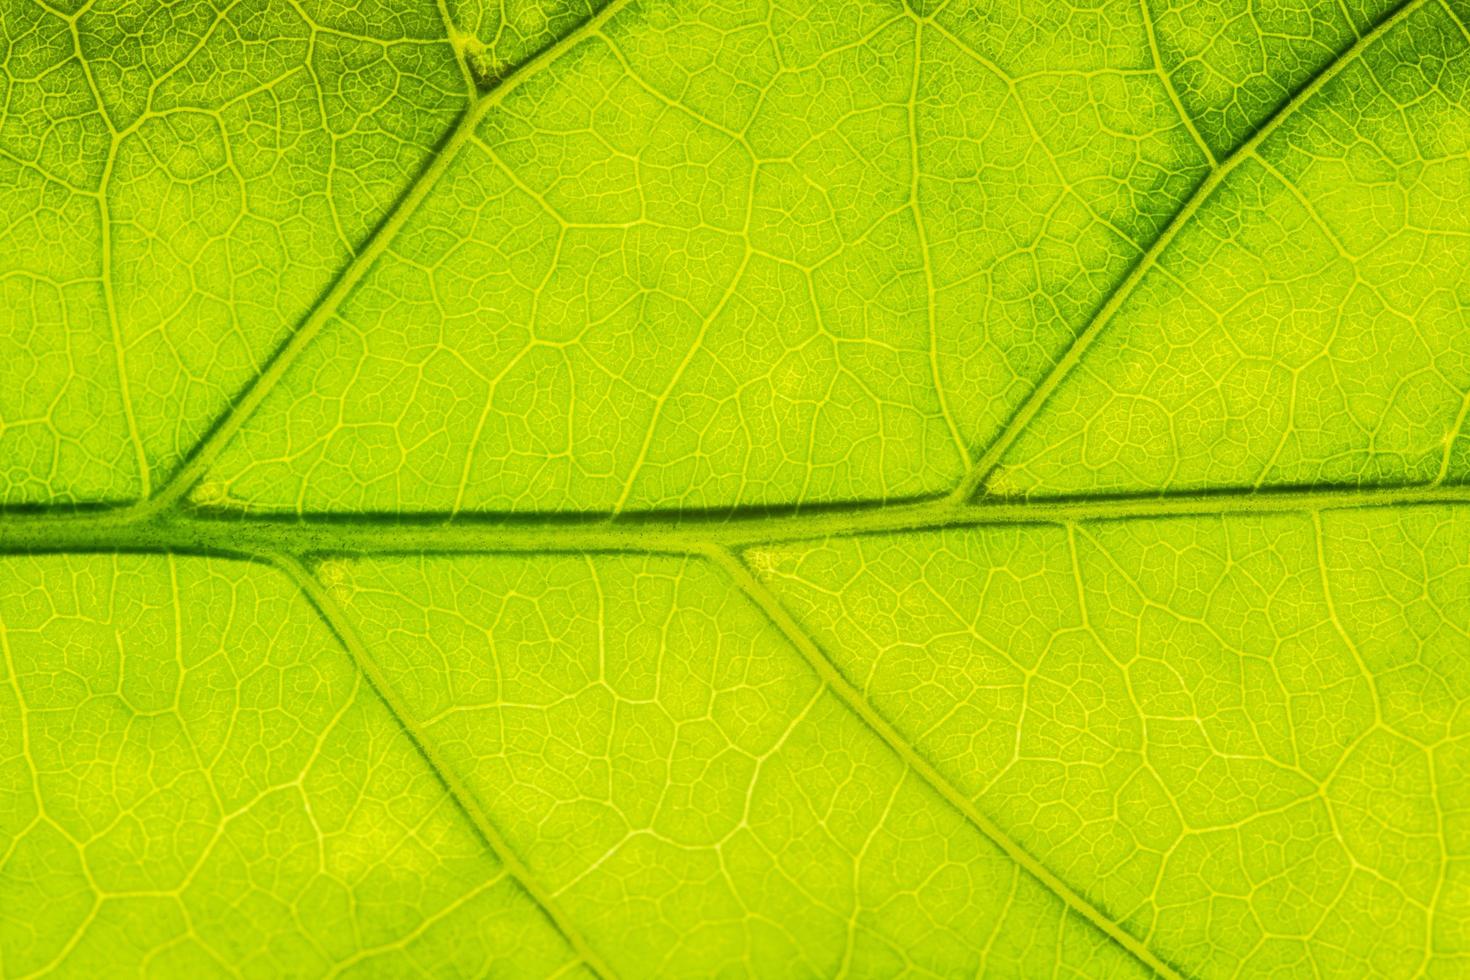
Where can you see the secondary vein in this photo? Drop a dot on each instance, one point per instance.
(258, 388)
(275, 368)
(1073, 355)
(1168, 80)
(743, 578)
(346, 634)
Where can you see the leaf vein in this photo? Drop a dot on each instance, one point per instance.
(327, 608)
(744, 579)
(1072, 356)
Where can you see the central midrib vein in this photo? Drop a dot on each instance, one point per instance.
(183, 529)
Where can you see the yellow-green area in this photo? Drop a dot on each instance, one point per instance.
(772, 488)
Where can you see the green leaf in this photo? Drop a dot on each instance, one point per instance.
(695, 488)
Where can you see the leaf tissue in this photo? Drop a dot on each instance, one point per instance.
(764, 488)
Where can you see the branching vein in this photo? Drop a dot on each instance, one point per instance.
(327, 607)
(1084, 340)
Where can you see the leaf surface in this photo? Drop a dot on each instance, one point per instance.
(640, 488)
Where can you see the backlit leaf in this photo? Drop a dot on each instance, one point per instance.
(734, 487)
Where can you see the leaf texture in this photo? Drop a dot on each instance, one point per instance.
(747, 487)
